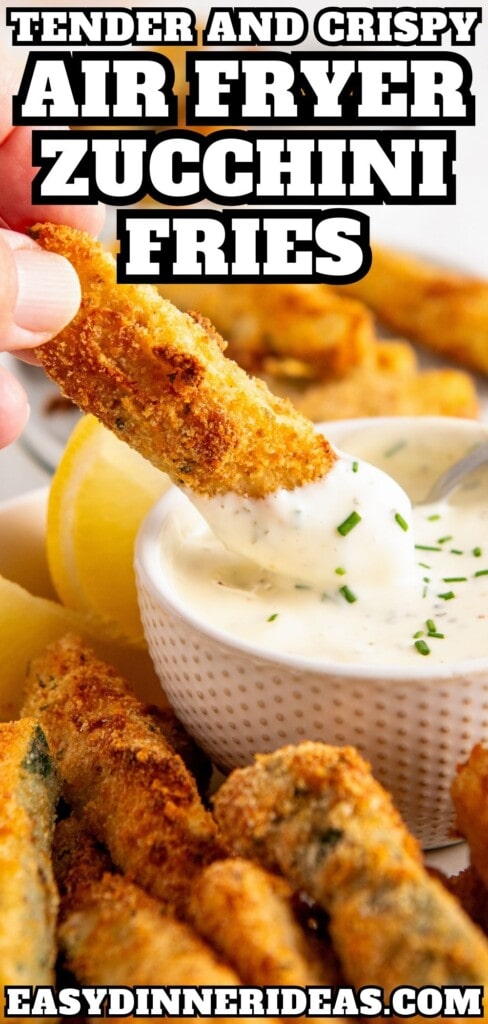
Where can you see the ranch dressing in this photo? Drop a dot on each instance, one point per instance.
(342, 570)
(355, 518)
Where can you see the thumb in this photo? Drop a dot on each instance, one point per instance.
(39, 292)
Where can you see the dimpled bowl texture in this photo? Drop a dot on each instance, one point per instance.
(414, 726)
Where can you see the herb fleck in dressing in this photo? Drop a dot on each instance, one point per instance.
(335, 570)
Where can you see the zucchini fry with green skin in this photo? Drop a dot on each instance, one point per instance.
(447, 312)
(309, 322)
(28, 897)
(247, 913)
(470, 796)
(316, 813)
(119, 772)
(113, 933)
(160, 381)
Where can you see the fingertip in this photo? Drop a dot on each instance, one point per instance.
(14, 408)
(49, 294)
(83, 218)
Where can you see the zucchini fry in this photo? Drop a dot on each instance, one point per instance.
(28, 898)
(248, 914)
(317, 814)
(308, 322)
(160, 381)
(384, 390)
(470, 795)
(119, 772)
(111, 932)
(388, 383)
(164, 720)
(448, 312)
(468, 888)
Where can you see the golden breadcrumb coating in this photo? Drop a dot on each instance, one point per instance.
(119, 772)
(446, 311)
(309, 322)
(317, 814)
(388, 384)
(470, 795)
(248, 915)
(160, 381)
(472, 894)
(112, 933)
(165, 721)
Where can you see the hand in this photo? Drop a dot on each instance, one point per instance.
(39, 291)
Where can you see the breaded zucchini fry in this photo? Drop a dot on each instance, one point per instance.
(317, 814)
(160, 381)
(430, 393)
(111, 932)
(28, 898)
(470, 795)
(309, 322)
(135, 793)
(165, 721)
(446, 311)
(389, 385)
(247, 914)
(472, 894)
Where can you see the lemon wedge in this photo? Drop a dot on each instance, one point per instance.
(28, 624)
(100, 494)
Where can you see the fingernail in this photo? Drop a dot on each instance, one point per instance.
(49, 292)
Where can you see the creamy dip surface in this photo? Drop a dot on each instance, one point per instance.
(344, 570)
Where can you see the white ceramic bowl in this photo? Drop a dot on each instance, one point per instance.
(414, 726)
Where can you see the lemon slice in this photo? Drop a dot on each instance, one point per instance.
(28, 624)
(99, 496)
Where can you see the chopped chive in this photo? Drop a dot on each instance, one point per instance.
(425, 579)
(477, 552)
(436, 636)
(302, 586)
(394, 449)
(419, 632)
(448, 596)
(424, 593)
(432, 519)
(424, 565)
(422, 647)
(401, 521)
(442, 540)
(430, 625)
(456, 551)
(348, 594)
(273, 617)
(355, 467)
(454, 579)
(481, 572)
(340, 571)
(349, 524)
(426, 547)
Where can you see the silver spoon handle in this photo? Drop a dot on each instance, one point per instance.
(455, 474)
